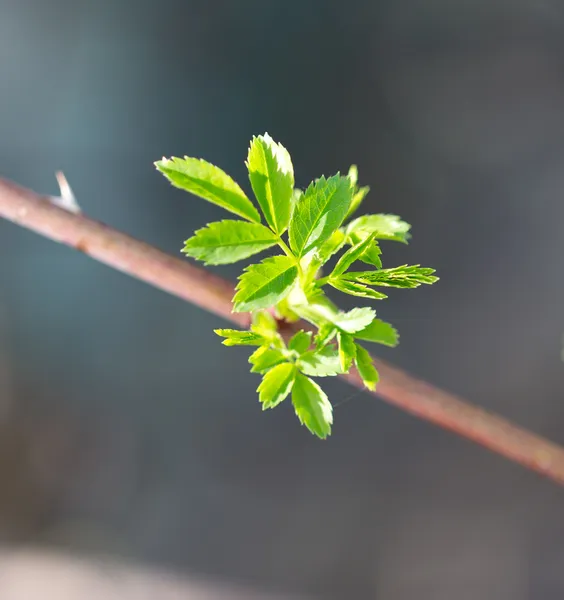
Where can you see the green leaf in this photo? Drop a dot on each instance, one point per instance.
(264, 358)
(372, 254)
(335, 242)
(406, 276)
(319, 213)
(366, 368)
(265, 284)
(386, 227)
(312, 406)
(321, 313)
(353, 175)
(356, 289)
(272, 179)
(235, 337)
(379, 332)
(320, 363)
(315, 307)
(351, 256)
(226, 242)
(285, 312)
(210, 183)
(276, 385)
(325, 333)
(300, 341)
(264, 324)
(354, 320)
(317, 257)
(359, 195)
(347, 350)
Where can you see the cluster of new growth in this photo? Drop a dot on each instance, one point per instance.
(309, 227)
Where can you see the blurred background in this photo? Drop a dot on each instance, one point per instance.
(130, 435)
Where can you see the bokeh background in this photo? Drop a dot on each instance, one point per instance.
(127, 431)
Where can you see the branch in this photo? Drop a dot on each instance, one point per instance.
(198, 286)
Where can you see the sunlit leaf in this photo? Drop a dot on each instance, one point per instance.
(272, 179)
(312, 406)
(226, 242)
(265, 283)
(319, 212)
(210, 183)
(276, 385)
(366, 368)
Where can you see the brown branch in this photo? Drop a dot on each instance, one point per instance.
(178, 277)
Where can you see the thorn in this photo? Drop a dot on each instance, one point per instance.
(66, 200)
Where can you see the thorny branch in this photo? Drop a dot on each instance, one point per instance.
(176, 276)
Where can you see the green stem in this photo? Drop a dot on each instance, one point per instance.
(322, 281)
(286, 249)
(289, 253)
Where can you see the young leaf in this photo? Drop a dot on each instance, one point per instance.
(285, 312)
(240, 338)
(312, 406)
(272, 179)
(358, 196)
(320, 313)
(335, 242)
(276, 385)
(354, 320)
(380, 332)
(210, 183)
(347, 350)
(226, 242)
(265, 284)
(300, 341)
(264, 358)
(372, 255)
(352, 255)
(353, 175)
(359, 193)
(406, 276)
(320, 363)
(326, 332)
(317, 257)
(264, 324)
(355, 289)
(314, 307)
(319, 213)
(386, 227)
(366, 368)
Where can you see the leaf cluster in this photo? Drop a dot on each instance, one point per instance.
(309, 227)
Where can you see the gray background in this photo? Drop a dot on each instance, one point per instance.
(130, 430)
